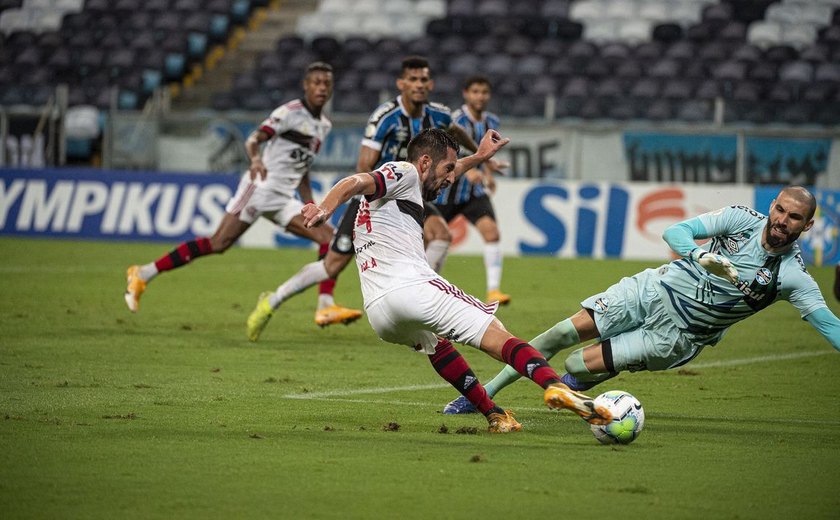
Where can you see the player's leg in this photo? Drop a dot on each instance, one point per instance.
(398, 317)
(567, 333)
(452, 367)
(229, 230)
(327, 312)
(343, 234)
(436, 236)
(528, 362)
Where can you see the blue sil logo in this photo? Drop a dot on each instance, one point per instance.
(763, 276)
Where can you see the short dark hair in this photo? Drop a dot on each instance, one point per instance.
(414, 62)
(318, 66)
(479, 79)
(804, 196)
(432, 142)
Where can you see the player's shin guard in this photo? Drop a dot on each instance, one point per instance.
(184, 254)
(528, 362)
(452, 367)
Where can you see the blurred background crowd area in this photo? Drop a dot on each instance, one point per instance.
(715, 62)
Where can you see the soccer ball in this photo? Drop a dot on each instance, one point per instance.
(628, 418)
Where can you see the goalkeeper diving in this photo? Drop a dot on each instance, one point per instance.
(663, 318)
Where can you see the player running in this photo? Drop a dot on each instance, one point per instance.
(408, 303)
(470, 195)
(663, 318)
(293, 133)
(389, 130)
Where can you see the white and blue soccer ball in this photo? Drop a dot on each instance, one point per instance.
(628, 418)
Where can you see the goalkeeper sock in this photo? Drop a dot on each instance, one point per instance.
(561, 336)
(309, 275)
(452, 367)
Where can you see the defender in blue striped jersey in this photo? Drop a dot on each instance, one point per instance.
(470, 195)
(663, 318)
(389, 129)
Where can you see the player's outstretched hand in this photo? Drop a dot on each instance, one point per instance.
(716, 264)
(491, 143)
(313, 215)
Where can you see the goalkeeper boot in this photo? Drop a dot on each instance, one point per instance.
(336, 314)
(135, 288)
(558, 396)
(502, 422)
(458, 406)
(259, 317)
(582, 386)
(498, 296)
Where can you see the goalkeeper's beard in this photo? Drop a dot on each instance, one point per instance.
(774, 242)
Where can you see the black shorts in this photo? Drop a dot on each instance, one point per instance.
(342, 242)
(473, 209)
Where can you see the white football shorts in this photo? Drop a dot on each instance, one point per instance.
(417, 315)
(253, 200)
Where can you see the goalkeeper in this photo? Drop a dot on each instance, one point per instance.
(663, 318)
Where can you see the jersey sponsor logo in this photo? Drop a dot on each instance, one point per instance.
(763, 276)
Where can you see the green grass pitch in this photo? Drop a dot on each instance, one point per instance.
(172, 413)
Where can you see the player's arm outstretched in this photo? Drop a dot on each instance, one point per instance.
(344, 190)
(491, 143)
(827, 324)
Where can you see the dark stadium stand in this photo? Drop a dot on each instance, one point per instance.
(767, 60)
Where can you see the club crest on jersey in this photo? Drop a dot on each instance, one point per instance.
(763, 276)
(601, 304)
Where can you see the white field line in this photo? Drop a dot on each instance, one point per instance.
(341, 395)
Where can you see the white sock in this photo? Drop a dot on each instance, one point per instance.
(325, 300)
(436, 254)
(309, 275)
(493, 265)
(148, 272)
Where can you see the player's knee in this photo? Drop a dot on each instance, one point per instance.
(334, 263)
(437, 231)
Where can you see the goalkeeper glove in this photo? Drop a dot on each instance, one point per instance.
(715, 264)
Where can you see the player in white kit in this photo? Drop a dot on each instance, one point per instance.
(408, 303)
(292, 134)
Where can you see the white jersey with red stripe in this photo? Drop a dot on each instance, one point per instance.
(388, 233)
(406, 301)
(295, 136)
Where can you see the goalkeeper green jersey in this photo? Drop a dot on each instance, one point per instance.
(705, 304)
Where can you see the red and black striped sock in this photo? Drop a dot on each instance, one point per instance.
(328, 285)
(529, 362)
(184, 254)
(451, 366)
